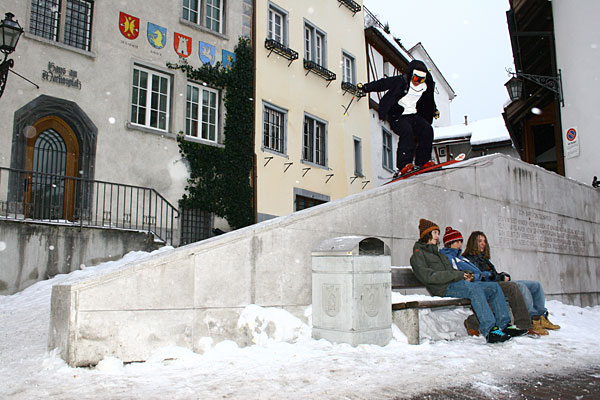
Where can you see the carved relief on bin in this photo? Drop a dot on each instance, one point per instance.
(371, 299)
(331, 299)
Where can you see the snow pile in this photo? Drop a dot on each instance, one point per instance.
(285, 363)
(265, 325)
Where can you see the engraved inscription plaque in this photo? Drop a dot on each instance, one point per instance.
(528, 229)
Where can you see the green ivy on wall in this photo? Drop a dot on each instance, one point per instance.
(220, 177)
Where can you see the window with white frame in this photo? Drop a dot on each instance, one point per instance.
(314, 45)
(207, 13)
(348, 71)
(214, 15)
(202, 112)
(387, 154)
(358, 170)
(314, 148)
(191, 11)
(150, 98)
(274, 126)
(68, 21)
(277, 24)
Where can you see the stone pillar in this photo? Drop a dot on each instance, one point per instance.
(351, 291)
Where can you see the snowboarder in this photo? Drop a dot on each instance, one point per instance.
(435, 271)
(409, 107)
(478, 252)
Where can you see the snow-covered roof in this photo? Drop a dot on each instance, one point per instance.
(484, 131)
(390, 39)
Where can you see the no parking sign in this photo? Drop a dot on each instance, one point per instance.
(572, 142)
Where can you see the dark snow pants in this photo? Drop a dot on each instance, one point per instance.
(408, 127)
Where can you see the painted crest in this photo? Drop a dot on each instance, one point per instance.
(157, 35)
(183, 45)
(129, 25)
(228, 59)
(206, 52)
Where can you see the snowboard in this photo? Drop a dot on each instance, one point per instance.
(434, 167)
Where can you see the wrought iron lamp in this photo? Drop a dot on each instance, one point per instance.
(10, 32)
(515, 85)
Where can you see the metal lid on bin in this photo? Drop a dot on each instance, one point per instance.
(352, 246)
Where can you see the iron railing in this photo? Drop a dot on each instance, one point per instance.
(320, 70)
(35, 196)
(279, 48)
(371, 19)
(351, 5)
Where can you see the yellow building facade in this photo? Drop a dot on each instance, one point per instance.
(310, 146)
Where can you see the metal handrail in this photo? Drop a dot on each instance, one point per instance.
(42, 197)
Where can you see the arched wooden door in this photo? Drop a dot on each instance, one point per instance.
(52, 156)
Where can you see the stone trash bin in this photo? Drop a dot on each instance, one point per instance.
(351, 291)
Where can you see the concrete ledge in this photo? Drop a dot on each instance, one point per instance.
(540, 226)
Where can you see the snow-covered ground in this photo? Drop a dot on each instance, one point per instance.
(285, 364)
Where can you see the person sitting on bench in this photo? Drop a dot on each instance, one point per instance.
(453, 241)
(434, 271)
(478, 252)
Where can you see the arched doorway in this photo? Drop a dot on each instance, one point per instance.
(52, 154)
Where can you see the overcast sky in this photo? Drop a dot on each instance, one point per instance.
(468, 41)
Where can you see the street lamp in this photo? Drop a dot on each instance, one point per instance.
(515, 88)
(10, 32)
(515, 85)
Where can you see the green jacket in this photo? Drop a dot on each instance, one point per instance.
(433, 269)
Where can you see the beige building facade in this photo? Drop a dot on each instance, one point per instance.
(310, 146)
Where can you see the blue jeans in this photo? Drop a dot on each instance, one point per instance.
(483, 295)
(534, 297)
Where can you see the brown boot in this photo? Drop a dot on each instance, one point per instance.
(537, 328)
(545, 323)
(470, 330)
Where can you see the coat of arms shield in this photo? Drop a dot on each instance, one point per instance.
(157, 35)
(206, 52)
(129, 25)
(183, 45)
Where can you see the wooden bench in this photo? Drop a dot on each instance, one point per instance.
(406, 314)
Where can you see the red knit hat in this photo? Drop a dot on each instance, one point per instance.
(451, 235)
(426, 226)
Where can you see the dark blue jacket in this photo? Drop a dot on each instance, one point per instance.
(465, 265)
(397, 87)
(485, 265)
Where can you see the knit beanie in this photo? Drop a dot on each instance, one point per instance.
(451, 235)
(426, 226)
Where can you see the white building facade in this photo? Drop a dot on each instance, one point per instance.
(578, 57)
(108, 108)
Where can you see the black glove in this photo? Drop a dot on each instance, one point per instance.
(436, 114)
(502, 276)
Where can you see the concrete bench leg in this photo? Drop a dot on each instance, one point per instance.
(408, 322)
